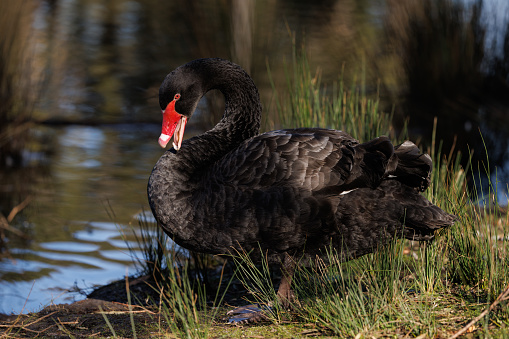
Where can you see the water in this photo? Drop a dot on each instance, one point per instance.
(56, 267)
(80, 215)
(100, 64)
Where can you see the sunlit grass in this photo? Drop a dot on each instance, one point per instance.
(185, 306)
(257, 279)
(306, 102)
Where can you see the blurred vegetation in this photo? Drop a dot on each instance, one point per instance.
(18, 88)
(446, 71)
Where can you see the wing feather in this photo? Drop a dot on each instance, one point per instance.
(309, 158)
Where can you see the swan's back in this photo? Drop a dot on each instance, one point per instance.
(310, 159)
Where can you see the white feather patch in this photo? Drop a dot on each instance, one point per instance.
(346, 192)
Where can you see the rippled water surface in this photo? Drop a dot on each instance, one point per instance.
(80, 216)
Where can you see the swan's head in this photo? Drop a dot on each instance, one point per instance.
(178, 97)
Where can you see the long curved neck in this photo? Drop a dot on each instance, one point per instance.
(240, 121)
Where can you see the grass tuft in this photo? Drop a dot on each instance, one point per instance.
(179, 276)
(305, 102)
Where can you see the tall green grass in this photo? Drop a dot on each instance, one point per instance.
(183, 296)
(306, 102)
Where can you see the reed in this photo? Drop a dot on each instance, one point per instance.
(306, 102)
(19, 84)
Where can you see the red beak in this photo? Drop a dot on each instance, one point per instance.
(173, 122)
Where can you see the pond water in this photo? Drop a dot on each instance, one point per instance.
(100, 65)
(80, 215)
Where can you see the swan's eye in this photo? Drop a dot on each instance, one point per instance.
(176, 97)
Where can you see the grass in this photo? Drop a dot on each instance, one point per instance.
(305, 102)
(179, 282)
(258, 280)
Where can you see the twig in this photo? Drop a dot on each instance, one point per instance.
(18, 208)
(143, 309)
(4, 222)
(503, 296)
(5, 225)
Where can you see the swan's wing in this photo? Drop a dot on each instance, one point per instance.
(314, 159)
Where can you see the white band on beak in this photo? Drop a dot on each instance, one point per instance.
(163, 140)
(164, 137)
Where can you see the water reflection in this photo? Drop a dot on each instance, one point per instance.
(100, 64)
(44, 274)
(79, 214)
(65, 245)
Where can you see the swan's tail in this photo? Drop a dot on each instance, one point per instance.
(410, 166)
(422, 219)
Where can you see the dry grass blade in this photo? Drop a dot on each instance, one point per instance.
(108, 322)
(18, 208)
(503, 296)
(4, 222)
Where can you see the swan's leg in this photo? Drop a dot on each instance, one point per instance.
(285, 293)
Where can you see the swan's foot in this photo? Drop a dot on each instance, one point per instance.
(248, 314)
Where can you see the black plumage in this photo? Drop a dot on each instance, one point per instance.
(291, 192)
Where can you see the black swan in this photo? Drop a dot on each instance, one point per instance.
(290, 192)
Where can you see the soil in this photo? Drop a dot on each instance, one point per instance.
(82, 319)
(89, 318)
